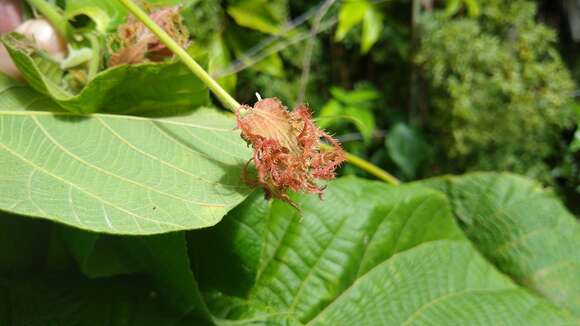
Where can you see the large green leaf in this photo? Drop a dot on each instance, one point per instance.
(524, 230)
(237, 242)
(371, 254)
(120, 174)
(35, 253)
(148, 88)
(69, 299)
(163, 257)
(444, 283)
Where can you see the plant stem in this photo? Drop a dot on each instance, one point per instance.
(222, 95)
(52, 14)
(96, 59)
(372, 169)
(369, 167)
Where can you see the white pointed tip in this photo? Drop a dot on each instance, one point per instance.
(258, 96)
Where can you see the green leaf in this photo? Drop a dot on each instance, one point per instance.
(354, 106)
(16, 96)
(333, 112)
(524, 230)
(22, 244)
(373, 254)
(31, 247)
(255, 14)
(121, 174)
(220, 58)
(372, 27)
(108, 15)
(33, 299)
(363, 119)
(143, 88)
(162, 257)
(351, 13)
(575, 144)
(241, 42)
(406, 148)
(472, 7)
(444, 283)
(329, 113)
(271, 65)
(452, 7)
(358, 96)
(237, 241)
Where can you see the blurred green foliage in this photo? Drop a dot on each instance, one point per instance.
(353, 107)
(473, 85)
(500, 92)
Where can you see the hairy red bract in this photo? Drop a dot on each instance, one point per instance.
(287, 152)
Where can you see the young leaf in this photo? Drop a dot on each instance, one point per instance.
(256, 15)
(143, 88)
(351, 13)
(107, 15)
(372, 27)
(452, 7)
(356, 97)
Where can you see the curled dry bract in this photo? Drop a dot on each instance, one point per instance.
(138, 44)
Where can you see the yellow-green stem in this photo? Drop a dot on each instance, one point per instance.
(224, 96)
(372, 169)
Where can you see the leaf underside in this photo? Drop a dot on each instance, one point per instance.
(119, 174)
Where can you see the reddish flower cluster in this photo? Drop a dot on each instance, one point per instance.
(137, 43)
(287, 152)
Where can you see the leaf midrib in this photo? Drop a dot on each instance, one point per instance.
(115, 116)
